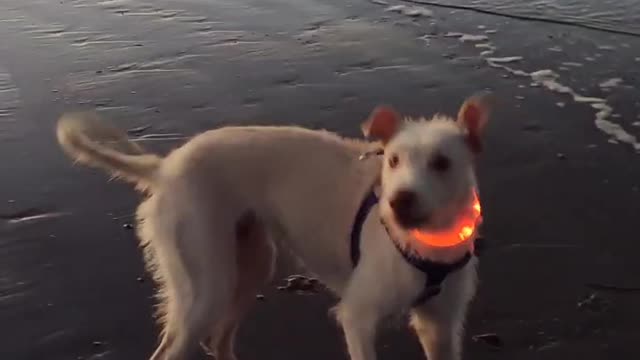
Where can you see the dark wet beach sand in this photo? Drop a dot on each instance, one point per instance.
(560, 185)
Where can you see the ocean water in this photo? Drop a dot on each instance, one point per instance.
(614, 82)
(620, 15)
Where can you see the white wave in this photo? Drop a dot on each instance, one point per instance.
(504, 60)
(413, 11)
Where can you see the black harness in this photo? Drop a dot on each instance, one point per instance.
(434, 272)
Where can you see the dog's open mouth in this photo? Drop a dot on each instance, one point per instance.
(463, 228)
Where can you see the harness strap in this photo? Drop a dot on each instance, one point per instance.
(435, 272)
(356, 231)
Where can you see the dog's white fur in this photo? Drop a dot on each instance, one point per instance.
(218, 206)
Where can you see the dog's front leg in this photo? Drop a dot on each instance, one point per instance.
(439, 335)
(439, 323)
(360, 329)
(363, 304)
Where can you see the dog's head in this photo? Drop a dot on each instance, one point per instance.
(428, 175)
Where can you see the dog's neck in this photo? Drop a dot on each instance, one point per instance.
(441, 254)
(446, 255)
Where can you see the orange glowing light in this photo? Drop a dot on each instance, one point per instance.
(461, 231)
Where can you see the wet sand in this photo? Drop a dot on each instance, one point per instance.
(559, 179)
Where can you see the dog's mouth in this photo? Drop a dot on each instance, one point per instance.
(411, 221)
(462, 228)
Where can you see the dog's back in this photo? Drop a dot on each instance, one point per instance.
(284, 174)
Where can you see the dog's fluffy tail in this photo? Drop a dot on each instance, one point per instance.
(90, 141)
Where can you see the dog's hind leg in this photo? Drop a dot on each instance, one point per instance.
(196, 258)
(439, 323)
(255, 259)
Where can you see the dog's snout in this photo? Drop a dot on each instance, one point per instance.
(406, 210)
(403, 201)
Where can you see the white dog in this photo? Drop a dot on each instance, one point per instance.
(218, 206)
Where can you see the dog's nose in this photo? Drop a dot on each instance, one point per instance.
(406, 210)
(403, 202)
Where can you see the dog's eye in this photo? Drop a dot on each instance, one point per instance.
(393, 161)
(440, 163)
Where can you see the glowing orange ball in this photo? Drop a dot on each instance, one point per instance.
(462, 230)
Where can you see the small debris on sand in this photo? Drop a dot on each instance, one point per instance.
(593, 303)
(302, 285)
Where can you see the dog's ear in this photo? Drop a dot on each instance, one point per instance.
(382, 124)
(473, 117)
